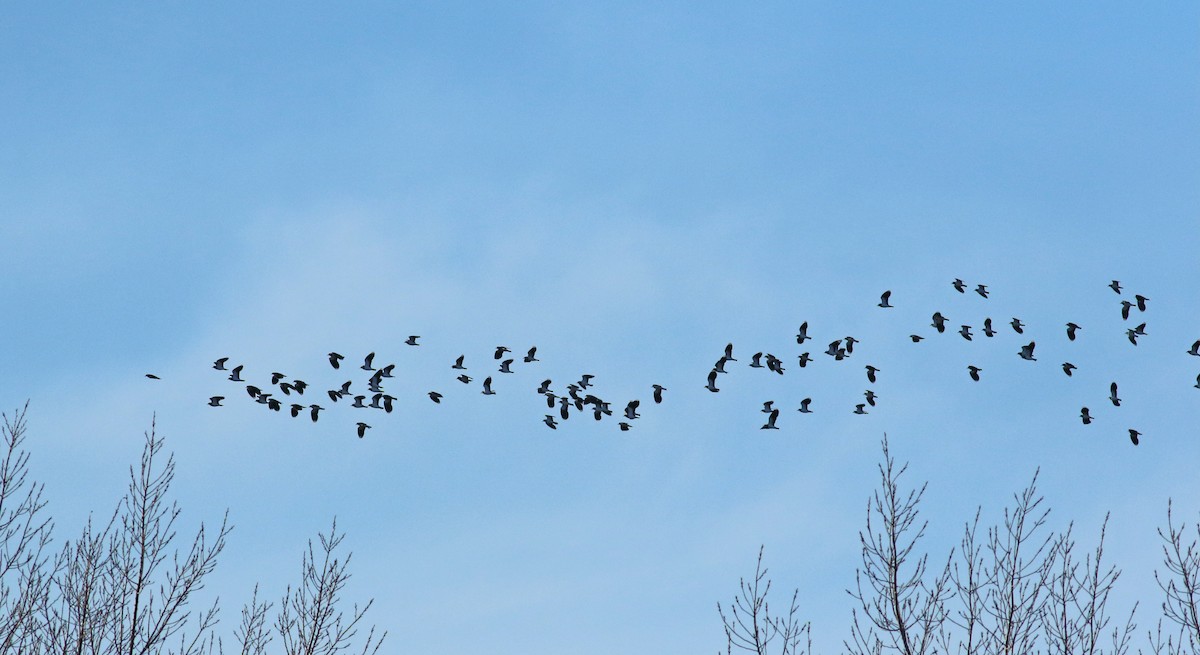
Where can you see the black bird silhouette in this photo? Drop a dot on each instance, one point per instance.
(804, 406)
(358, 402)
(770, 424)
(386, 371)
(1027, 352)
(802, 335)
(939, 322)
(1068, 367)
(834, 348)
(549, 421)
(504, 366)
(1195, 350)
(1115, 286)
(276, 377)
(487, 387)
(435, 396)
(215, 401)
(313, 413)
(412, 340)
(870, 397)
(658, 389)
(959, 285)
(1140, 329)
(767, 407)
(550, 399)
(774, 364)
(1198, 381)
(1085, 416)
(624, 426)
(544, 387)
(1112, 395)
(531, 356)
(965, 331)
(253, 391)
(296, 409)
(756, 360)
(585, 381)
(883, 300)
(1141, 302)
(362, 429)
(804, 359)
(335, 360)
(987, 328)
(564, 410)
(871, 371)
(1071, 327)
(1133, 436)
(729, 352)
(458, 363)
(1018, 325)
(220, 364)
(299, 386)
(982, 290)
(712, 381)
(286, 388)
(1132, 335)
(861, 408)
(720, 365)
(1125, 305)
(631, 409)
(974, 371)
(153, 376)
(273, 405)
(367, 362)
(850, 341)
(500, 350)
(915, 337)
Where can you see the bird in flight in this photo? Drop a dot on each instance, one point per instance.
(658, 389)
(1112, 395)
(804, 406)
(1141, 302)
(215, 401)
(1018, 325)
(959, 285)
(871, 371)
(850, 341)
(770, 424)
(974, 372)
(367, 362)
(883, 300)
(987, 328)
(1027, 352)
(1067, 367)
(313, 413)
(802, 335)
(1132, 335)
(1071, 328)
(1195, 349)
(362, 429)
(464, 378)
(860, 408)
(1085, 416)
(531, 356)
(712, 381)
(939, 322)
(500, 350)
(504, 366)
(152, 376)
(335, 360)
(767, 407)
(756, 360)
(487, 387)
(1115, 286)
(915, 338)
(220, 364)
(585, 381)
(549, 421)
(804, 359)
(1125, 305)
(729, 352)
(412, 340)
(458, 363)
(982, 290)
(870, 397)
(965, 331)
(1133, 436)
(435, 396)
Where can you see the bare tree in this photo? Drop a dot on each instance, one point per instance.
(1075, 616)
(898, 600)
(1181, 585)
(751, 626)
(24, 537)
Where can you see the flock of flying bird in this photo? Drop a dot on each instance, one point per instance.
(578, 399)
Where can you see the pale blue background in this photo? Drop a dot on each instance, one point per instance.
(628, 187)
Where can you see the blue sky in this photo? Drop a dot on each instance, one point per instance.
(629, 188)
